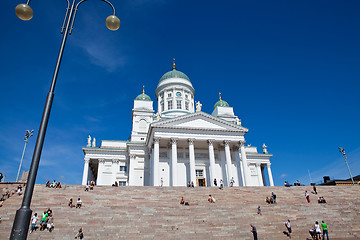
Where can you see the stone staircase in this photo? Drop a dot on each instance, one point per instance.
(155, 212)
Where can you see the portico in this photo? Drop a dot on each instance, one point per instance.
(185, 157)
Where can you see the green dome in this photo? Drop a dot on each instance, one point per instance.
(174, 74)
(221, 103)
(143, 97)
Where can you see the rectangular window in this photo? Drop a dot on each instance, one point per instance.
(122, 183)
(199, 173)
(162, 106)
(123, 168)
(187, 105)
(169, 94)
(178, 104)
(169, 104)
(186, 96)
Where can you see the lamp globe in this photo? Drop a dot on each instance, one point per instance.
(24, 12)
(112, 22)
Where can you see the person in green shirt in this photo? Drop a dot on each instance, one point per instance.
(325, 230)
(43, 221)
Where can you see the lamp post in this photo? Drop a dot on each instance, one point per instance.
(342, 150)
(24, 12)
(28, 134)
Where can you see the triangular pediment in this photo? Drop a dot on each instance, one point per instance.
(199, 121)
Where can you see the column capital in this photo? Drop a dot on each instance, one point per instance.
(116, 160)
(174, 140)
(226, 142)
(268, 165)
(258, 164)
(87, 160)
(242, 143)
(191, 141)
(132, 156)
(101, 160)
(211, 142)
(156, 139)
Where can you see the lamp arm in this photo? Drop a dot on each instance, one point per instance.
(77, 6)
(66, 14)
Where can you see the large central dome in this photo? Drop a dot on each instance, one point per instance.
(174, 74)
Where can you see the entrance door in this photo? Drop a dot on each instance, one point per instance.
(200, 179)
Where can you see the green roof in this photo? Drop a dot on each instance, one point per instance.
(174, 74)
(221, 103)
(143, 97)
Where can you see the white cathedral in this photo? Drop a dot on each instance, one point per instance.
(179, 144)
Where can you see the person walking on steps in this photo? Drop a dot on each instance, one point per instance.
(253, 230)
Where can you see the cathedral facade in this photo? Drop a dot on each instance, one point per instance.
(178, 145)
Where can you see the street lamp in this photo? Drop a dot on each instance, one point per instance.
(23, 11)
(28, 134)
(342, 150)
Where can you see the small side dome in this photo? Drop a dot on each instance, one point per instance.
(143, 96)
(221, 103)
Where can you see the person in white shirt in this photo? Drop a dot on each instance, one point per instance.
(34, 219)
(288, 226)
(78, 203)
(317, 230)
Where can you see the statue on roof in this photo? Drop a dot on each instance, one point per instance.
(264, 149)
(94, 142)
(238, 121)
(198, 106)
(158, 116)
(89, 141)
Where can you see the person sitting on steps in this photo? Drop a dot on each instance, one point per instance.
(211, 199)
(78, 203)
(71, 203)
(182, 201)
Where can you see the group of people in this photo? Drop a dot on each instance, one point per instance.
(182, 202)
(211, 199)
(315, 231)
(321, 200)
(272, 199)
(92, 185)
(190, 184)
(46, 222)
(54, 184)
(78, 203)
(7, 194)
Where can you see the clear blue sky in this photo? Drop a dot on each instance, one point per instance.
(290, 69)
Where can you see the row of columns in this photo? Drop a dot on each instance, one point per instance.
(242, 173)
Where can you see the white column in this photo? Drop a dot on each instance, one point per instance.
(86, 171)
(173, 161)
(239, 167)
(271, 181)
(156, 162)
(192, 161)
(100, 170)
(228, 161)
(212, 161)
(151, 167)
(260, 179)
(244, 162)
(131, 169)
